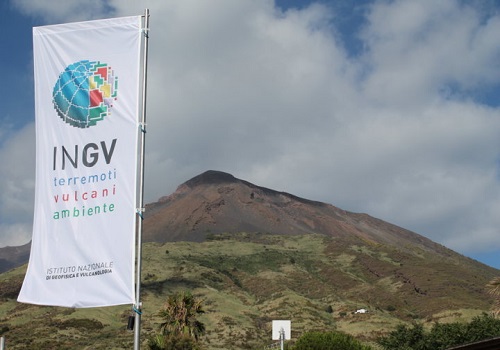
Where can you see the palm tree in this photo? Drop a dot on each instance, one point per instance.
(179, 316)
(493, 288)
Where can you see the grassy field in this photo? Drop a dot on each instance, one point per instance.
(247, 280)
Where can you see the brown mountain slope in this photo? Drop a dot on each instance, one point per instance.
(216, 202)
(11, 257)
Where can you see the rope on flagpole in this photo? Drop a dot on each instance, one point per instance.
(140, 212)
(137, 311)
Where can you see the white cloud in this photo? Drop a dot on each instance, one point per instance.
(16, 234)
(17, 156)
(58, 11)
(274, 98)
(417, 49)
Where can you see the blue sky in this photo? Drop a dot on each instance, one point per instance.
(390, 108)
(16, 57)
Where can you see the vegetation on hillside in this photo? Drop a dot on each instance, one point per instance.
(247, 280)
(493, 288)
(328, 341)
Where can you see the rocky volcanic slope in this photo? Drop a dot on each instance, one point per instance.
(216, 202)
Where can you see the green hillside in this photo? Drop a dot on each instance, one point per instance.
(247, 280)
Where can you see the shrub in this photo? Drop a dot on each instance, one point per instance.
(80, 323)
(328, 341)
(441, 336)
(172, 342)
(391, 308)
(3, 329)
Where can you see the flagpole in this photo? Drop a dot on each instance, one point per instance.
(138, 305)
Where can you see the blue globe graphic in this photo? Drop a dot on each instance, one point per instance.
(84, 93)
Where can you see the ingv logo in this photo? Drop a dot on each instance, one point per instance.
(84, 93)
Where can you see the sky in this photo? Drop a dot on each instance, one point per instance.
(390, 108)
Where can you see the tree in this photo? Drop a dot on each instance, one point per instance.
(483, 327)
(493, 288)
(446, 335)
(441, 336)
(404, 338)
(173, 342)
(179, 315)
(180, 328)
(328, 341)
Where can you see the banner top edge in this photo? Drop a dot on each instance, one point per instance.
(91, 24)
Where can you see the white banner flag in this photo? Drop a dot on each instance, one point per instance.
(87, 81)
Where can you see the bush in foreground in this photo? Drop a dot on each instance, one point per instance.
(173, 342)
(328, 341)
(441, 336)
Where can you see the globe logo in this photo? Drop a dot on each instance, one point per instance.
(84, 93)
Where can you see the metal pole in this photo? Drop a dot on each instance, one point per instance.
(282, 338)
(138, 304)
(2, 343)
